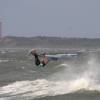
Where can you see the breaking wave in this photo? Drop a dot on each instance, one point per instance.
(68, 81)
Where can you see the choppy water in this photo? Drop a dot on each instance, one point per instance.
(72, 79)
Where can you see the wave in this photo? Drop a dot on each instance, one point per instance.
(1, 61)
(71, 79)
(42, 87)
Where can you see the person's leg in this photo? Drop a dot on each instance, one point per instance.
(37, 61)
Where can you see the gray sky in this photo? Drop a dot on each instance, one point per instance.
(75, 18)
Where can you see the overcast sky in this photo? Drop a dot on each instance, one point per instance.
(66, 18)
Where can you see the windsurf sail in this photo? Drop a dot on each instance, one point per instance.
(61, 56)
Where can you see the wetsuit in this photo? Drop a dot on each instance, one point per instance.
(38, 62)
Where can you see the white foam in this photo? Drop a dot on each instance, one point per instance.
(4, 61)
(42, 87)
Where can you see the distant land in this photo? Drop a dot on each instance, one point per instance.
(49, 42)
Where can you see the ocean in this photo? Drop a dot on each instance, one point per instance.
(74, 78)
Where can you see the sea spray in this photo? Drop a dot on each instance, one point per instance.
(71, 77)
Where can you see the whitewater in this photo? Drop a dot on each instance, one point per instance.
(71, 76)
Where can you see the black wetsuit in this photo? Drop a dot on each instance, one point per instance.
(37, 61)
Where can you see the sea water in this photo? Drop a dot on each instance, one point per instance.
(75, 78)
